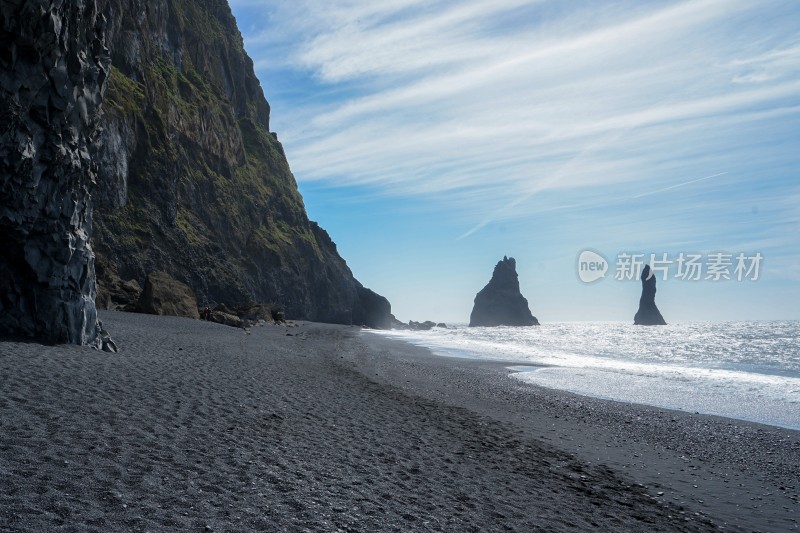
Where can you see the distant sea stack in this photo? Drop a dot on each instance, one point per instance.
(500, 303)
(648, 314)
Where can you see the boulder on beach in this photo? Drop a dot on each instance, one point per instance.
(163, 295)
(500, 303)
(269, 313)
(114, 293)
(227, 319)
(648, 314)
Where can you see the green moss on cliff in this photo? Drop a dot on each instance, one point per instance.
(172, 87)
(211, 19)
(211, 198)
(123, 94)
(265, 156)
(131, 231)
(192, 228)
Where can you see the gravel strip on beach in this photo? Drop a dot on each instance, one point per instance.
(196, 426)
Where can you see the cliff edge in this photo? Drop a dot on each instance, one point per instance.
(192, 182)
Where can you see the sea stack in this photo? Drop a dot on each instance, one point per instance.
(53, 71)
(648, 314)
(500, 303)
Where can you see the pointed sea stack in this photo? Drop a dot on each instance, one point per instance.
(500, 303)
(648, 314)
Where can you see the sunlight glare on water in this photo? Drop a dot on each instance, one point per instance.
(747, 370)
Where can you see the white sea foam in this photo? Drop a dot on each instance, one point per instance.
(745, 370)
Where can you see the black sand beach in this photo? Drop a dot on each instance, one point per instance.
(196, 426)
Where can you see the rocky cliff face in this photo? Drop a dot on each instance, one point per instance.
(648, 314)
(500, 302)
(192, 182)
(53, 70)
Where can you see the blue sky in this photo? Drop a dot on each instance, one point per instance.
(431, 138)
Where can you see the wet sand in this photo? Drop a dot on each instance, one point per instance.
(196, 426)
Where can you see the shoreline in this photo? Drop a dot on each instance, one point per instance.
(200, 426)
(696, 391)
(750, 469)
(667, 390)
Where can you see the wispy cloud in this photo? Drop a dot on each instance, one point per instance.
(486, 105)
(675, 186)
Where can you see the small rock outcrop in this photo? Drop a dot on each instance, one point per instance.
(53, 70)
(500, 303)
(163, 295)
(413, 325)
(648, 314)
(421, 326)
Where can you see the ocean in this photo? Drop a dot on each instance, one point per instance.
(741, 370)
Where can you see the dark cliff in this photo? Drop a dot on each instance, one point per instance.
(500, 302)
(53, 70)
(192, 182)
(648, 314)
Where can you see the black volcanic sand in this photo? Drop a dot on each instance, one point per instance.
(196, 426)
